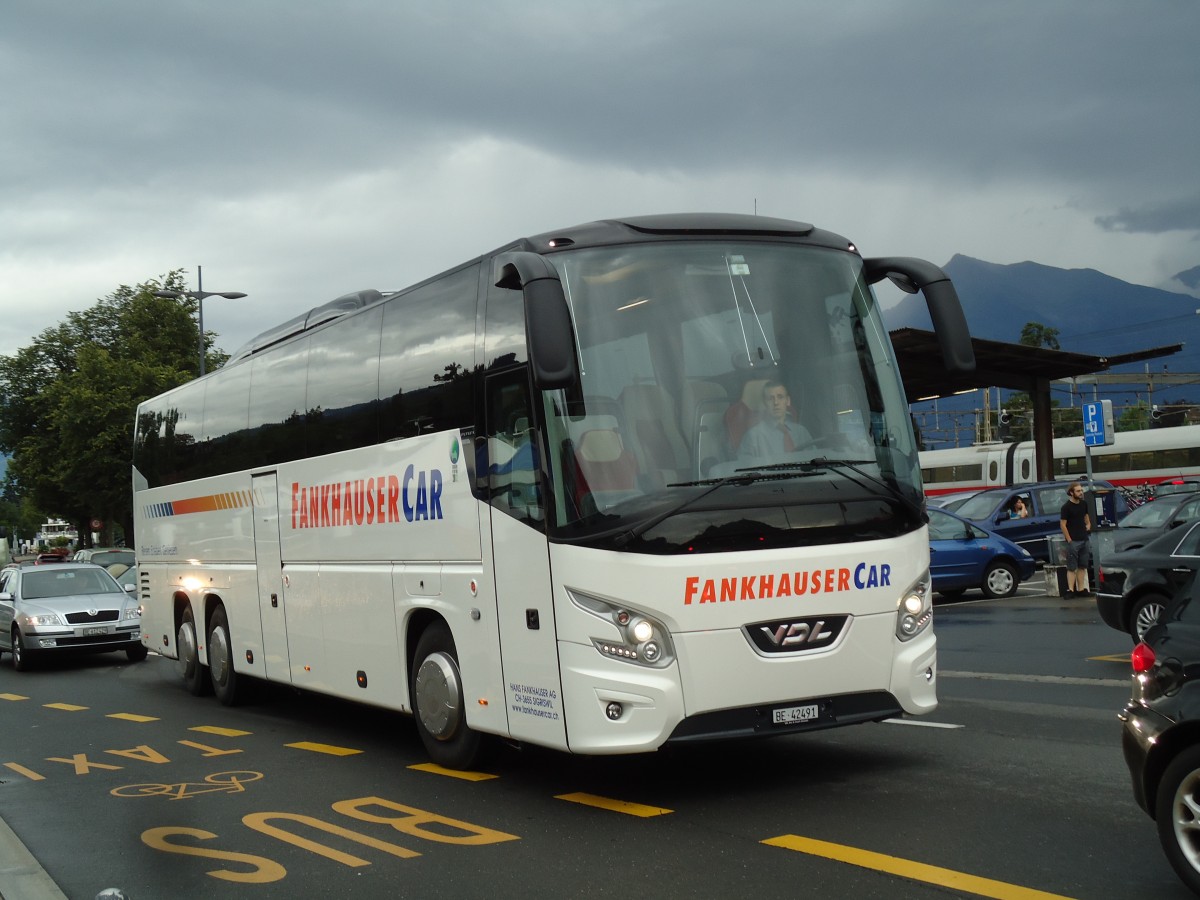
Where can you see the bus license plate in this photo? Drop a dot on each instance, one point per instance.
(88, 632)
(793, 715)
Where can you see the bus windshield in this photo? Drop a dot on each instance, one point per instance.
(734, 394)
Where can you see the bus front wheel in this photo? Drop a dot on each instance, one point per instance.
(437, 701)
(190, 670)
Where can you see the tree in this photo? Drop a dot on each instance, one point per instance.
(1035, 334)
(67, 401)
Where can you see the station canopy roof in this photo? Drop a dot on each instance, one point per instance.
(997, 364)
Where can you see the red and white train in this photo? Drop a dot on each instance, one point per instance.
(1135, 459)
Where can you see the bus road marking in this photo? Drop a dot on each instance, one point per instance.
(435, 769)
(132, 717)
(223, 732)
(324, 748)
(66, 707)
(28, 773)
(915, 871)
(918, 722)
(12, 697)
(621, 806)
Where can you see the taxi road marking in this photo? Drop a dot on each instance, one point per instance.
(68, 707)
(435, 769)
(324, 748)
(224, 732)
(132, 717)
(12, 697)
(28, 773)
(621, 806)
(894, 865)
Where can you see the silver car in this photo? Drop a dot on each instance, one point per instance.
(66, 607)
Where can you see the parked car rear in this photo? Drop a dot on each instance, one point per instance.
(1135, 585)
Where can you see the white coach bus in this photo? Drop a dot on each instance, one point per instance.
(515, 499)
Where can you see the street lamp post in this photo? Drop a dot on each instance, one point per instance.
(198, 295)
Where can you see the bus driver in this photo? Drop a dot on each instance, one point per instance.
(776, 435)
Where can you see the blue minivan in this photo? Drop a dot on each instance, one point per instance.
(992, 510)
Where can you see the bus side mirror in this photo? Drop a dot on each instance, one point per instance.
(548, 327)
(945, 310)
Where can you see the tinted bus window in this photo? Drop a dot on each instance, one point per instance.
(343, 384)
(225, 445)
(427, 357)
(277, 405)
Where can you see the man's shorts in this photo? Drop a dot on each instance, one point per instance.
(1077, 555)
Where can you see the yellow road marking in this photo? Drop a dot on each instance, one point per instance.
(1114, 657)
(12, 697)
(453, 773)
(131, 717)
(621, 806)
(28, 773)
(68, 707)
(324, 748)
(224, 732)
(894, 865)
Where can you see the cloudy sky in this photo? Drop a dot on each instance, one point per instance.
(301, 149)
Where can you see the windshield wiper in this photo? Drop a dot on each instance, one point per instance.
(742, 476)
(836, 465)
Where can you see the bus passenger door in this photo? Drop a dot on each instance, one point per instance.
(520, 559)
(269, 558)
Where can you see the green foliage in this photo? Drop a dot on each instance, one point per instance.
(1035, 334)
(67, 401)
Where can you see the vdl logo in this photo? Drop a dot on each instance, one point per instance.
(793, 635)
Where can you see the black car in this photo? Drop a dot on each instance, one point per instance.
(1135, 585)
(1161, 732)
(1156, 517)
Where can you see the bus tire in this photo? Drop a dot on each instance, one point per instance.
(437, 701)
(195, 679)
(225, 682)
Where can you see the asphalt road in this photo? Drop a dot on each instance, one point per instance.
(1014, 788)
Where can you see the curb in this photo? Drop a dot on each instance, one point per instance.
(21, 877)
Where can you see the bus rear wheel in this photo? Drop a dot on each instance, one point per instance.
(225, 682)
(437, 701)
(194, 677)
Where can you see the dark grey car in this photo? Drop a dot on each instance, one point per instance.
(66, 607)
(1155, 517)
(1161, 733)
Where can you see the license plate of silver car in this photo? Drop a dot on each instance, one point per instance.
(794, 715)
(88, 632)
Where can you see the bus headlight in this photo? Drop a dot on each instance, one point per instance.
(633, 637)
(916, 609)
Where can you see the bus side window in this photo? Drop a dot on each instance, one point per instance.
(509, 454)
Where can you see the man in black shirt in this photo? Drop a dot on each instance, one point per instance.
(1076, 524)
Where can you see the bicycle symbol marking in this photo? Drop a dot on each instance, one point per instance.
(218, 783)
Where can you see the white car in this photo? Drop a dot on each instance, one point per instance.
(66, 607)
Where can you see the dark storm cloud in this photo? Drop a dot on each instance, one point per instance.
(1176, 215)
(266, 92)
